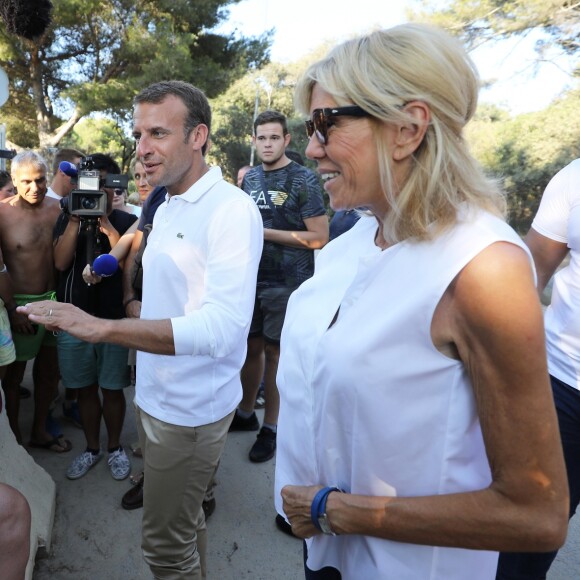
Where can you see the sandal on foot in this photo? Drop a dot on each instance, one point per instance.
(53, 427)
(58, 445)
(136, 450)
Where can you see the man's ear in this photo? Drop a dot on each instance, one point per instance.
(287, 139)
(411, 134)
(199, 133)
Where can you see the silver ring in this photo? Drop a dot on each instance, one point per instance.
(50, 313)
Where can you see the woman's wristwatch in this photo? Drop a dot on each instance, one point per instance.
(318, 510)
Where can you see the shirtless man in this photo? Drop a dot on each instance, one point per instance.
(26, 226)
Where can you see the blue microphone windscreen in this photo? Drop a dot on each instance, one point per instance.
(105, 265)
(68, 168)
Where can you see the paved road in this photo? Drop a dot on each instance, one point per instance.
(95, 539)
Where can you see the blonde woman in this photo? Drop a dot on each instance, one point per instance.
(143, 187)
(417, 432)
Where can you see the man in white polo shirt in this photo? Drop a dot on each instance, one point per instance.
(200, 269)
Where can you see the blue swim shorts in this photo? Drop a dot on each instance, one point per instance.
(83, 364)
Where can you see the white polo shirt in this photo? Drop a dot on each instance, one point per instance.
(558, 218)
(200, 269)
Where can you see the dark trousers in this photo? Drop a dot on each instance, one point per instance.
(535, 566)
(327, 573)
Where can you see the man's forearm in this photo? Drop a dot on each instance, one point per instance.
(65, 246)
(130, 268)
(296, 239)
(155, 336)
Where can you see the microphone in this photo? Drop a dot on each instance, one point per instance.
(27, 18)
(68, 168)
(105, 265)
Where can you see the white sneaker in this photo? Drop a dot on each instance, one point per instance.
(119, 464)
(81, 464)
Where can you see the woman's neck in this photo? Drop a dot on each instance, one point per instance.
(379, 236)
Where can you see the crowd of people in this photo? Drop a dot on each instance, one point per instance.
(409, 398)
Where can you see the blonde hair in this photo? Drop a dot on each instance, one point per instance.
(133, 198)
(383, 71)
(134, 162)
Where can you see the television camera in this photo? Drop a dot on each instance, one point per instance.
(89, 200)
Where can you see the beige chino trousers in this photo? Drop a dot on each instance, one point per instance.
(179, 464)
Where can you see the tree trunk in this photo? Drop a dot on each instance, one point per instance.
(47, 138)
(42, 114)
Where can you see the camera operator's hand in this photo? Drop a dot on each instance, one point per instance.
(66, 243)
(89, 276)
(107, 228)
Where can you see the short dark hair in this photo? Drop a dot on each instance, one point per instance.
(5, 177)
(198, 109)
(65, 155)
(271, 117)
(295, 156)
(102, 161)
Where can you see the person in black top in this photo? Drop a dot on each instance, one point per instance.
(290, 201)
(86, 366)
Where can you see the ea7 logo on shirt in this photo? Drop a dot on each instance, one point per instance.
(278, 198)
(180, 236)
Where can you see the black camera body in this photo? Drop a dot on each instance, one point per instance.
(85, 202)
(89, 200)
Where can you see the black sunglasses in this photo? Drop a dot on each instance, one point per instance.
(322, 120)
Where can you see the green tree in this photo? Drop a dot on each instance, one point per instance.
(98, 53)
(94, 134)
(525, 151)
(269, 87)
(479, 21)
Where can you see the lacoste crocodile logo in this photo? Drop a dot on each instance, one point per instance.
(180, 236)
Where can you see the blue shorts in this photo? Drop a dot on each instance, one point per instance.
(269, 313)
(83, 364)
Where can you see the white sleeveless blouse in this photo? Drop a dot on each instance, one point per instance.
(370, 405)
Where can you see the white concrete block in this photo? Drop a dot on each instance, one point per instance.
(18, 469)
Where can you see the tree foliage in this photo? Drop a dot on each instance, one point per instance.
(478, 21)
(98, 53)
(526, 151)
(270, 87)
(95, 134)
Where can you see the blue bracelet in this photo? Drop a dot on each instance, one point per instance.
(318, 506)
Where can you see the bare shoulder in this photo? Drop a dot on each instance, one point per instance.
(7, 203)
(7, 210)
(498, 277)
(494, 293)
(51, 208)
